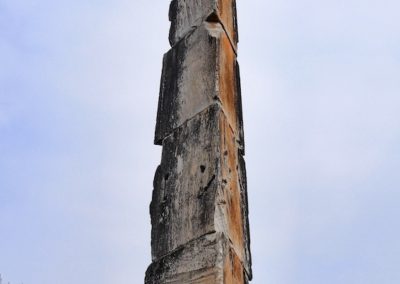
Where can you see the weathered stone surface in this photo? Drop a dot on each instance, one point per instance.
(198, 184)
(187, 15)
(198, 256)
(197, 72)
(199, 208)
(206, 260)
(245, 214)
(233, 269)
(185, 184)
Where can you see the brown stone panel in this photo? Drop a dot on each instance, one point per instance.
(233, 269)
(198, 72)
(229, 89)
(229, 200)
(187, 15)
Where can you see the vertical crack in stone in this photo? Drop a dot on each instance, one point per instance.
(199, 208)
(203, 190)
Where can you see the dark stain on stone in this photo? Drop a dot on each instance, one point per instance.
(213, 18)
(203, 190)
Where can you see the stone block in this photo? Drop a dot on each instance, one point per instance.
(198, 72)
(198, 184)
(194, 262)
(187, 15)
(200, 261)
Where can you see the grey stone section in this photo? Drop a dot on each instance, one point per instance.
(206, 260)
(196, 262)
(197, 73)
(245, 214)
(187, 15)
(199, 184)
(185, 184)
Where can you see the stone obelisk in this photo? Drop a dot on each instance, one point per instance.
(199, 209)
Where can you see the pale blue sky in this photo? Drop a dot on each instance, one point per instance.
(79, 85)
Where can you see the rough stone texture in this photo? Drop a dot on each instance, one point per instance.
(199, 208)
(206, 260)
(245, 214)
(198, 184)
(197, 72)
(193, 263)
(186, 15)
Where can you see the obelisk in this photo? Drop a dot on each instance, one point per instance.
(199, 208)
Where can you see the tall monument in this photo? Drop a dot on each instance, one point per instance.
(199, 211)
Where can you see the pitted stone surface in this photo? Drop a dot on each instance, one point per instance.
(185, 184)
(203, 149)
(187, 15)
(206, 260)
(193, 263)
(198, 72)
(199, 208)
(245, 214)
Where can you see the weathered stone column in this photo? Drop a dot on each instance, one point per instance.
(199, 212)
